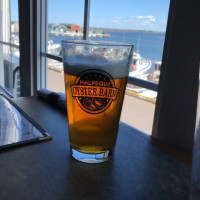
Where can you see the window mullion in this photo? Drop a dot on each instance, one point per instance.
(86, 20)
(25, 46)
(43, 43)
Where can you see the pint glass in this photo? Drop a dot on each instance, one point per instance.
(96, 74)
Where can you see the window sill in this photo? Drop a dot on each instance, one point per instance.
(139, 167)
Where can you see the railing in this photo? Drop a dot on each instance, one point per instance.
(10, 44)
(132, 80)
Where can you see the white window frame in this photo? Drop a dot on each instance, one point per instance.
(4, 17)
(38, 66)
(33, 41)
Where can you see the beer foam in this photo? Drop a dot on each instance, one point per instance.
(117, 68)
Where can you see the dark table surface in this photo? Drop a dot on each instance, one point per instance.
(140, 169)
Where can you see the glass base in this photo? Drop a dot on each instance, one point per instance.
(91, 158)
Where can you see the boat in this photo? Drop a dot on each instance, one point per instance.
(140, 67)
(54, 48)
(156, 70)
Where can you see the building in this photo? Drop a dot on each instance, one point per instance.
(75, 28)
(15, 27)
(64, 28)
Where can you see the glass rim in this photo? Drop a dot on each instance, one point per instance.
(98, 42)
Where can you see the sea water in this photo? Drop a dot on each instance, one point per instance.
(149, 45)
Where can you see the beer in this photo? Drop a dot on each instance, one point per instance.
(93, 133)
(95, 81)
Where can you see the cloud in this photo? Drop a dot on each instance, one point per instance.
(117, 17)
(151, 18)
(116, 20)
(140, 17)
(148, 21)
(140, 22)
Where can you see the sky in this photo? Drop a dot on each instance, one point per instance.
(122, 14)
(119, 14)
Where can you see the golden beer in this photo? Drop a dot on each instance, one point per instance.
(95, 80)
(93, 133)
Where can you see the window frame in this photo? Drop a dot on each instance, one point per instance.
(37, 72)
(9, 44)
(132, 80)
(32, 36)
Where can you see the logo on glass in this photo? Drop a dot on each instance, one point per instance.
(94, 91)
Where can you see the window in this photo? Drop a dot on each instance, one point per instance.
(142, 23)
(174, 91)
(104, 16)
(9, 47)
(67, 25)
